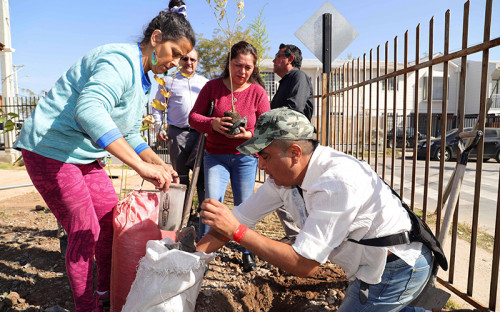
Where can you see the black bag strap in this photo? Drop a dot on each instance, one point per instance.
(389, 240)
(420, 232)
(385, 241)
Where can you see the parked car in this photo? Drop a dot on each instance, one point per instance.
(491, 145)
(410, 132)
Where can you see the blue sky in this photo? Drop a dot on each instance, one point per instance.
(49, 36)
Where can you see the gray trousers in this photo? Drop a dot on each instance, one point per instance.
(290, 227)
(183, 146)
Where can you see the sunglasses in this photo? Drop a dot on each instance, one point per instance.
(278, 55)
(193, 60)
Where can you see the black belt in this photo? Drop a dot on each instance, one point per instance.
(183, 129)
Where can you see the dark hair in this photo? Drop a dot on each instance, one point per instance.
(173, 26)
(175, 3)
(244, 47)
(290, 49)
(308, 146)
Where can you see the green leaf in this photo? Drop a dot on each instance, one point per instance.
(13, 115)
(9, 125)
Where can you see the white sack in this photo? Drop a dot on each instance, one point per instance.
(167, 280)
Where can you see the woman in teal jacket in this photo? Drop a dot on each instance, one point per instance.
(96, 107)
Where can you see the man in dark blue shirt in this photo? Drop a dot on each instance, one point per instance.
(295, 90)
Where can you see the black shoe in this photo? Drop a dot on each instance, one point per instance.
(248, 262)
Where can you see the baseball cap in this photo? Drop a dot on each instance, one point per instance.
(280, 123)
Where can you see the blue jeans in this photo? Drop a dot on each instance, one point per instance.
(219, 169)
(400, 284)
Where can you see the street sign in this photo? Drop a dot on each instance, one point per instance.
(311, 33)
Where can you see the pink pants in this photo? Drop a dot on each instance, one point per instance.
(82, 199)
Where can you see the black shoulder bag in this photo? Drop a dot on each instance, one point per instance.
(420, 232)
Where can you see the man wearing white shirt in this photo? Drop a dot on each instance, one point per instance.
(334, 199)
(182, 139)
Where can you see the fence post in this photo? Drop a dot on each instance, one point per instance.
(324, 111)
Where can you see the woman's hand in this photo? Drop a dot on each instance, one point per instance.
(222, 124)
(244, 134)
(156, 174)
(219, 217)
(172, 172)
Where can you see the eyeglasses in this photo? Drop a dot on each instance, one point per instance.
(193, 60)
(278, 55)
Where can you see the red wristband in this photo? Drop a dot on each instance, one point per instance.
(239, 233)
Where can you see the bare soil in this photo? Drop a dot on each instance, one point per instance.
(32, 266)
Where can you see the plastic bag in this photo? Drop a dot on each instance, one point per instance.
(167, 279)
(135, 222)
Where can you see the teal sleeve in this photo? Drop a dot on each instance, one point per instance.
(105, 86)
(133, 137)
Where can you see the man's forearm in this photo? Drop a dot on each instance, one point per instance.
(279, 254)
(276, 253)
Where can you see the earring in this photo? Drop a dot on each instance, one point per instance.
(154, 58)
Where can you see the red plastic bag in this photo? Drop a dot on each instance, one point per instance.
(135, 222)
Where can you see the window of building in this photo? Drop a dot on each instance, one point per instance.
(338, 81)
(437, 88)
(391, 84)
(269, 83)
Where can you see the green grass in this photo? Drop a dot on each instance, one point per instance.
(464, 232)
(7, 166)
(452, 305)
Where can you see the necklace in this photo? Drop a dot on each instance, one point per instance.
(241, 89)
(235, 98)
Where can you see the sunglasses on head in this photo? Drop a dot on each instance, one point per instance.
(185, 59)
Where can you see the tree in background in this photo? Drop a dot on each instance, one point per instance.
(259, 37)
(212, 53)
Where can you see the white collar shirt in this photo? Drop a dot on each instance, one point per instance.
(344, 198)
(184, 92)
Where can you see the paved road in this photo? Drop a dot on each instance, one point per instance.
(488, 192)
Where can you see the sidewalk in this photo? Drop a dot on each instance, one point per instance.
(13, 182)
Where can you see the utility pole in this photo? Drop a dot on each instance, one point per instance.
(16, 69)
(7, 76)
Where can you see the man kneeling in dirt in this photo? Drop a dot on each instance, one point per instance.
(333, 198)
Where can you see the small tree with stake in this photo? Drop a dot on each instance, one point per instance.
(220, 12)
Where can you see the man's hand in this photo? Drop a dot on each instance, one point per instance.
(219, 217)
(161, 136)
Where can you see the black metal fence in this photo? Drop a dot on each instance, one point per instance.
(356, 116)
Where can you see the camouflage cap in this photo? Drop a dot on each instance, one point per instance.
(280, 123)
